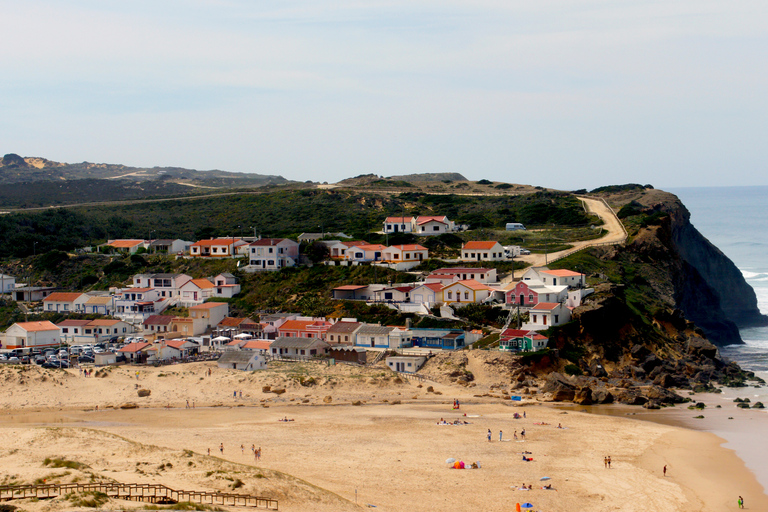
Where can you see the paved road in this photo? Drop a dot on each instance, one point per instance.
(611, 223)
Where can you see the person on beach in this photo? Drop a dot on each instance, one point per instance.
(522, 434)
(515, 434)
(489, 435)
(665, 470)
(258, 453)
(741, 502)
(187, 404)
(605, 462)
(221, 448)
(609, 462)
(242, 449)
(209, 452)
(500, 434)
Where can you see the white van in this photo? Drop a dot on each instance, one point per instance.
(515, 226)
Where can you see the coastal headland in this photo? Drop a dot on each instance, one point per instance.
(358, 439)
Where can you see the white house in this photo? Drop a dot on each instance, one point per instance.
(555, 277)
(209, 314)
(531, 292)
(547, 314)
(129, 246)
(169, 246)
(7, 283)
(73, 331)
(405, 363)
(427, 293)
(399, 224)
(134, 305)
(481, 275)
(99, 305)
(465, 292)
(297, 347)
(176, 349)
(338, 249)
(167, 285)
(405, 256)
(157, 324)
(63, 302)
(272, 254)
(218, 248)
(365, 253)
(242, 360)
(102, 329)
(32, 335)
(373, 336)
(196, 291)
(226, 285)
(433, 225)
(482, 251)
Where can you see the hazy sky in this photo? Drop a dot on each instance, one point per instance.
(569, 94)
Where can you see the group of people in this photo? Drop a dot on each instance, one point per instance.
(86, 372)
(256, 451)
(607, 461)
(455, 422)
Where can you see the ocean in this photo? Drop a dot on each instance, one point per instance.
(735, 219)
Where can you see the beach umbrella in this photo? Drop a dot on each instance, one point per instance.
(526, 505)
(220, 338)
(450, 461)
(544, 478)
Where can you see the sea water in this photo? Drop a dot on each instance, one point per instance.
(735, 219)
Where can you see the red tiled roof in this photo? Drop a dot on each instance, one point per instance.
(209, 305)
(135, 290)
(45, 325)
(561, 273)
(104, 321)
(435, 287)
(400, 220)
(202, 283)
(471, 284)
(73, 323)
(217, 241)
(177, 344)
(257, 344)
(159, 320)
(267, 241)
(409, 247)
(62, 297)
(546, 306)
(135, 347)
(479, 246)
(125, 244)
(437, 218)
(514, 333)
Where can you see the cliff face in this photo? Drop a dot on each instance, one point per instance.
(736, 299)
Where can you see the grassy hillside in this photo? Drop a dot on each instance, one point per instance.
(278, 213)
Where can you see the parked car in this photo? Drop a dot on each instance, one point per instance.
(85, 359)
(39, 359)
(57, 364)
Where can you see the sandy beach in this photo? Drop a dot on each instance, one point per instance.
(338, 456)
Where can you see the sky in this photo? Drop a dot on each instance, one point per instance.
(567, 94)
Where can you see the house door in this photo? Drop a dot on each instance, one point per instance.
(544, 319)
(522, 299)
(194, 295)
(479, 257)
(396, 227)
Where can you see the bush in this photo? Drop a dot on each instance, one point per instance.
(572, 369)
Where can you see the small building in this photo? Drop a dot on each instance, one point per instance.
(446, 339)
(169, 246)
(177, 349)
(547, 314)
(64, 302)
(102, 329)
(427, 293)
(225, 285)
(465, 292)
(352, 292)
(301, 328)
(433, 225)
(196, 291)
(104, 358)
(365, 253)
(138, 352)
(555, 277)
(349, 354)
(405, 256)
(32, 293)
(342, 333)
(529, 293)
(369, 335)
(260, 346)
(272, 254)
(481, 275)
(482, 251)
(399, 224)
(156, 324)
(298, 347)
(405, 363)
(99, 305)
(73, 331)
(245, 361)
(217, 248)
(7, 283)
(126, 246)
(208, 315)
(32, 335)
(167, 285)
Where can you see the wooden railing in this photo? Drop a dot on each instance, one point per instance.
(154, 493)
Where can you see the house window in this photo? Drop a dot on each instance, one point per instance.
(450, 295)
(64, 330)
(534, 318)
(436, 228)
(270, 250)
(530, 297)
(466, 295)
(88, 331)
(557, 317)
(66, 307)
(302, 351)
(346, 338)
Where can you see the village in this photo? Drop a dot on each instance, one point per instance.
(132, 328)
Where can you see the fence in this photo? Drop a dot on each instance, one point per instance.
(153, 493)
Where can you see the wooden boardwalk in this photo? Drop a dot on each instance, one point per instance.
(153, 493)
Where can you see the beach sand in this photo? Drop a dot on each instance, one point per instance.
(339, 456)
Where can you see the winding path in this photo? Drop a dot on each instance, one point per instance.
(616, 234)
